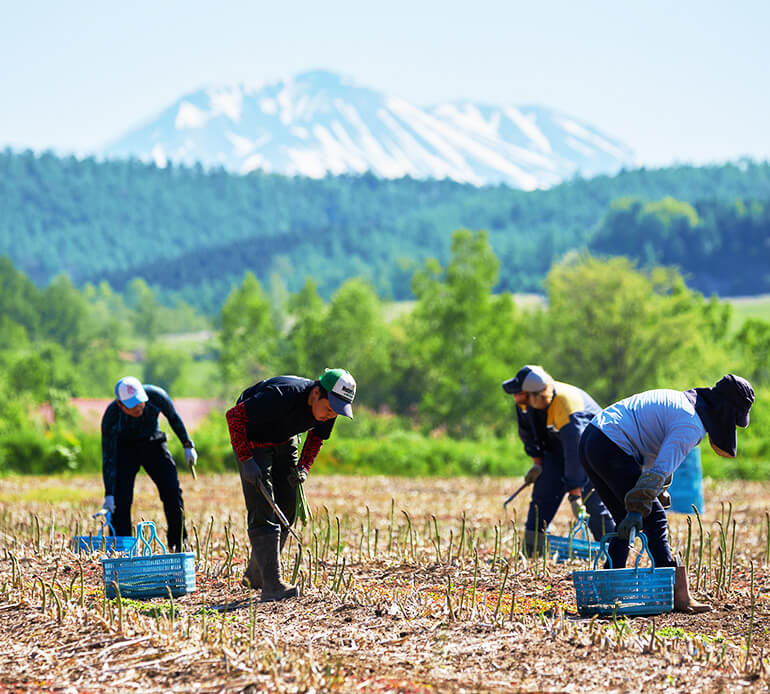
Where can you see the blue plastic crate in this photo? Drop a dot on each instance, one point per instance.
(637, 591)
(686, 489)
(572, 547)
(103, 543)
(149, 575)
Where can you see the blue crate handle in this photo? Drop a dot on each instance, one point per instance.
(107, 524)
(580, 526)
(603, 550)
(146, 544)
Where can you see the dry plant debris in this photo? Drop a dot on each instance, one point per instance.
(408, 585)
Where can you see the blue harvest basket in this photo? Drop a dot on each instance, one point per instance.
(572, 547)
(637, 591)
(149, 575)
(101, 542)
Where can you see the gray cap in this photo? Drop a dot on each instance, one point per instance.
(530, 378)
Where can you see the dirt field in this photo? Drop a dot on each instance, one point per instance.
(425, 591)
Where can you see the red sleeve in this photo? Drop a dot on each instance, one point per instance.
(236, 423)
(310, 450)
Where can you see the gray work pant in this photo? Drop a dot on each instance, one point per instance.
(275, 463)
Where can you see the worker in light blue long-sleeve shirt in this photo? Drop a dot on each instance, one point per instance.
(631, 449)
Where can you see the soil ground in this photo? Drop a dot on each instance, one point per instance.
(425, 591)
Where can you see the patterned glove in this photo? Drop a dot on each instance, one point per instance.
(297, 475)
(533, 473)
(644, 492)
(633, 520)
(664, 497)
(251, 472)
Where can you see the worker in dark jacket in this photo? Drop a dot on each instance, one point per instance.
(551, 417)
(264, 430)
(130, 440)
(632, 448)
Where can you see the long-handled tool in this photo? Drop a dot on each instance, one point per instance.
(515, 494)
(281, 517)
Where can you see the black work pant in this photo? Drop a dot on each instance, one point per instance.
(155, 458)
(547, 494)
(275, 463)
(614, 473)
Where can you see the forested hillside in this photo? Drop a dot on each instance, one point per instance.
(432, 372)
(193, 234)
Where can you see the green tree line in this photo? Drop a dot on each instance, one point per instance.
(429, 398)
(192, 234)
(721, 247)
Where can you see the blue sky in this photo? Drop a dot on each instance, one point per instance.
(676, 81)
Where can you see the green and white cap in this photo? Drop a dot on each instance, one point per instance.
(341, 387)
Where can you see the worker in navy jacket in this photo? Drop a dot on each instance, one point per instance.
(551, 417)
(264, 430)
(131, 439)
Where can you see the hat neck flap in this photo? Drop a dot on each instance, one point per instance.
(718, 417)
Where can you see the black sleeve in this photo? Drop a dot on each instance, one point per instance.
(533, 445)
(162, 401)
(324, 429)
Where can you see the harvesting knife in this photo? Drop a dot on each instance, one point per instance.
(515, 494)
(281, 517)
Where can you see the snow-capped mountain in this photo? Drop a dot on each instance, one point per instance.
(319, 123)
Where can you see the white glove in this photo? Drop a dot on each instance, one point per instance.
(191, 456)
(109, 503)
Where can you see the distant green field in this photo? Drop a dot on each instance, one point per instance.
(745, 307)
(395, 309)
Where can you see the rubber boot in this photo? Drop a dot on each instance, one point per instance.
(252, 578)
(682, 600)
(529, 542)
(265, 548)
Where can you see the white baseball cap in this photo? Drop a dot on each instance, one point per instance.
(130, 391)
